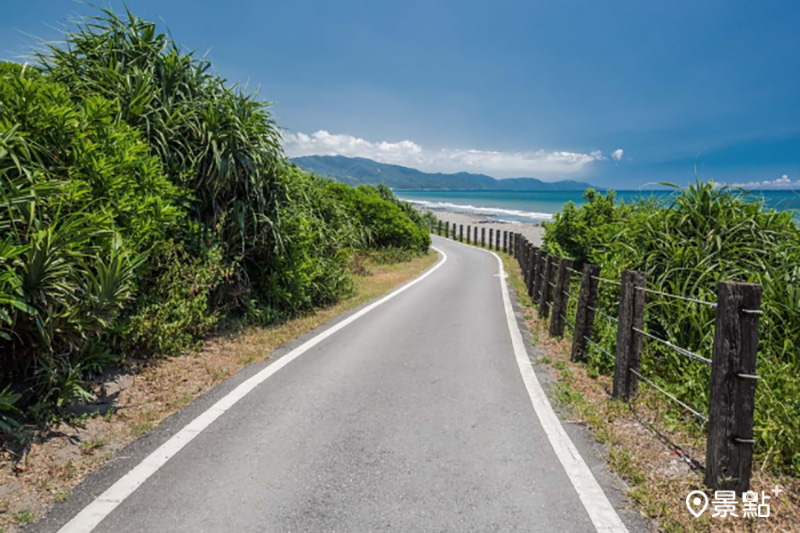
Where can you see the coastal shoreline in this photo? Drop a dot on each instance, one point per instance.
(532, 230)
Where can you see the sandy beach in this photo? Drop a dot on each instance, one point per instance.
(533, 231)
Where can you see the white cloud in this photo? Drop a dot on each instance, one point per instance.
(778, 183)
(539, 163)
(616, 155)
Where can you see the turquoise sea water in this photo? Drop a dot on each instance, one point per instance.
(513, 206)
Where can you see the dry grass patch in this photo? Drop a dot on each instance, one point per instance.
(148, 392)
(647, 442)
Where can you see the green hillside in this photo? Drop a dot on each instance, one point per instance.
(358, 170)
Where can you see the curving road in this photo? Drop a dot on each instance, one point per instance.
(412, 416)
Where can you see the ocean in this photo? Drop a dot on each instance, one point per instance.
(531, 206)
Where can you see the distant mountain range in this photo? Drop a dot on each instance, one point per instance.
(358, 170)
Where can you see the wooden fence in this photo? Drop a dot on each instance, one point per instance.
(549, 282)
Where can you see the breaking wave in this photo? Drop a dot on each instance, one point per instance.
(510, 215)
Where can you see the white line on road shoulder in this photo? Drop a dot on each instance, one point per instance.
(103, 505)
(602, 513)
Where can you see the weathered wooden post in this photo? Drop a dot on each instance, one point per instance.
(629, 341)
(447, 229)
(547, 287)
(491, 237)
(729, 449)
(526, 260)
(469, 231)
(541, 259)
(505, 241)
(534, 255)
(560, 298)
(584, 315)
(483, 237)
(461, 233)
(527, 256)
(497, 240)
(521, 259)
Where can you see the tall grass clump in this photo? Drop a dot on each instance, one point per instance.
(144, 201)
(702, 235)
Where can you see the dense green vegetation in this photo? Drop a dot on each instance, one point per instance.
(702, 236)
(143, 201)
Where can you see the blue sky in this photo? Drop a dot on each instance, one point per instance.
(618, 93)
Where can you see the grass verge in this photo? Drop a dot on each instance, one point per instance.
(145, 394)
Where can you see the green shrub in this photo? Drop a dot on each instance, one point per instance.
(177, 309)
(701, 236)
(143, 199)
(386, 222)
(212, 138)
(309, 264)
(72, 183)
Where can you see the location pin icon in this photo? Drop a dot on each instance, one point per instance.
(697, 502)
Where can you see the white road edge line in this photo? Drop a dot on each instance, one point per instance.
(602, 513)
(103, 505)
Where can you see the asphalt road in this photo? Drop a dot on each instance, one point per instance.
(414, 417)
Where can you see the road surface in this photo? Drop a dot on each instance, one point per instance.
(411, 417)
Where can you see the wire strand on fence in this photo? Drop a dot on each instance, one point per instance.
(678, 297)
(682, 351)
(599, 347)
(753, 311)
(698, 414)
(607, 280)
(574, 271)
(568, 295)
(599, 312)
(570, 324)
(551, 284)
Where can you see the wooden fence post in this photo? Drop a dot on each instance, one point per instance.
(729, 449)
(541, 260)
(535, 256)
(461, 233)
(491, 235)
(530, 266)
(547, 290)
(584, 316)
(505, 241)
(447, 229)
(560, 298)
(629, 341)
(523, 259)
(483, 236)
